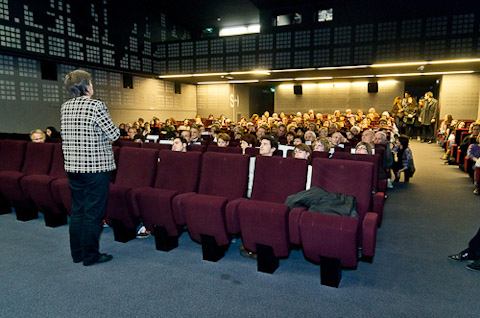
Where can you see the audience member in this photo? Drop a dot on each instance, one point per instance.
(179, 144)
(404, 162)
(37, 135)
(363, 148)
(471, 253)
(223, 140)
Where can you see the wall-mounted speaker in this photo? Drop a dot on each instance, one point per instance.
(178, 88)
(373, 87)
(297, 90)
(127, 81)
(49, 70)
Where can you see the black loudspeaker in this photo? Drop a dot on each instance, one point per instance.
(127, 81)
(297, 90)
(373, 87)
(178, 88)
(49, 71)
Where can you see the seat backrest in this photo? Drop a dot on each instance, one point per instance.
(136, 167)
(345, 176)
(38, 158)
(127, 143)
(178, 171)
(252, 151)
(57, 169)
(151, 145)
(375, 159)
(199, 148)
(320, 154)
(215, 148)
(276, 178)
(224, 174)
(380, 150)
(12, 154)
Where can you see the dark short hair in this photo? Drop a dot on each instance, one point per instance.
(404, 140)
(249, 139)
(182, 140)
(273, 141)
(76, 82)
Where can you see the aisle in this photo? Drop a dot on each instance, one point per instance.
(424, 221)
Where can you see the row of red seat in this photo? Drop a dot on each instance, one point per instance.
(206, 192)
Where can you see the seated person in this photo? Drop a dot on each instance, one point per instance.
(195, 136)
(321, 144)
(51, 133)
(473, 153)
(132, 132)
(290, 137)
(37, 135)
(337, 140)
(297, 140)
(247, 141)
(309, 137)
(302, 151)
(268, 145)
(179, 144)
(323, 132)
(223, 140)
(404, 162)
(363, 148)
(122, 128)
(185, 134)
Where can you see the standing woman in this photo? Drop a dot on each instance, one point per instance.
(397, 113)
(417, 125)
(410, 116)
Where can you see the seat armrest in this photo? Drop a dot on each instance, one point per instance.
(293, 224)
(378, 204)
(231, 215)
(177, 207)
(369, 239)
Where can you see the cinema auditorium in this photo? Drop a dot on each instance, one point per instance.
(266, 158)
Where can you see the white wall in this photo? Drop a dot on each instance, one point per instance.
(459, 96)
(327, 97)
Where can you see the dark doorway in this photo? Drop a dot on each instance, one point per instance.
(417, 87)
(261, 100)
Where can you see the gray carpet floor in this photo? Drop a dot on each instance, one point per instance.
(434, 215)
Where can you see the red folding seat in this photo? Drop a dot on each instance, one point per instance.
(215, 148)
(252, 151)
(334, 240)
(38, 159)
(39, 189)
(12, 155)
(200, 148)
(136, 168)
(177, 172)
(151, 145)
(378, 199)
(127, 143)
(223, 178)
(320, 154)
(264, 219)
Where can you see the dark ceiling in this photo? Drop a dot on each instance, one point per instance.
(196, 15)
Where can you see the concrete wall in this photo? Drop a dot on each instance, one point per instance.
(28, 102)
(327, 97)
(459, 96)
(231, 100)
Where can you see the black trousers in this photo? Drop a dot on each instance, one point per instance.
(474, 245)
(427, 132)
(89, 204)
